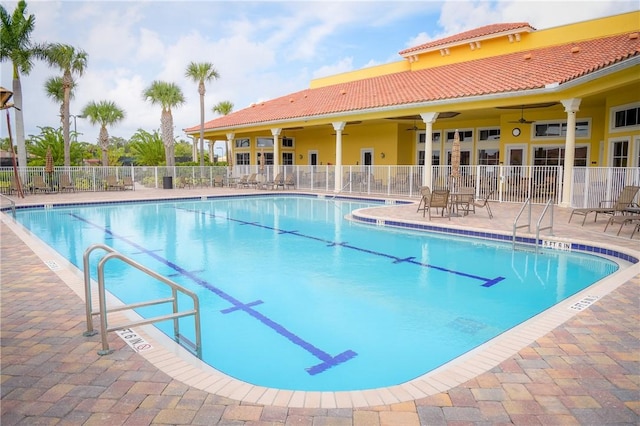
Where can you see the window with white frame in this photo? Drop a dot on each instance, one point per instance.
(466, 135)
(287, 158)
(489, 157)
(558, 129)
(435, 137)
(287, 142)
(620, 153)
(490, 134)
(626, 117)
(554, 156)
(264, 142)
(243, 158)
(242, 143)
(435, 158)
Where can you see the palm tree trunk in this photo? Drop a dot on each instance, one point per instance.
(201, 90)
(20, 141)
(67, 82)
(166, 125)
(104, 144)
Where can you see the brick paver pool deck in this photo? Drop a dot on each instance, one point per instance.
(584, 371)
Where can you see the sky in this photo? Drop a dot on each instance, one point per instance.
(260, 49)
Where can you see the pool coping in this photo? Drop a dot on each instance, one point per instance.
(178, 363)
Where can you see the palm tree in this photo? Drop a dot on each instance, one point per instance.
(223, 107)
(70, 61)
(201, 73)
(55, 91)
(147, 148)
(16, 46)
(104, 113)
(168, 95)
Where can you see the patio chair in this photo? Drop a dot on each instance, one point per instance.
(114, 183)
(127, 183)
(484, 204)
(437, 199)
(623, 219)
(624, 201)
(464, 200)
(290, 181)
(277, 181)
(65, 183)
(252, 181)
(38, 184)
(425, 197)
(243, 181)
(218, 180)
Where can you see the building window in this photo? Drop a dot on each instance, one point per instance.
(626, 117)
(242, 143)
(287, 158)
(492, 134)
(264, 142)
(465, 135)
(558, 129)
(620, 155)
(242, 159)
(287, 142)
(435, 158)
(435, 137)
(554, 156)
(489, 157)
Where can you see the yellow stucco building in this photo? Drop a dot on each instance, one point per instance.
(568, 95)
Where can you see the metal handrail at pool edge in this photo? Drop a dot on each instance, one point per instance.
(11, 202)
(104, 310)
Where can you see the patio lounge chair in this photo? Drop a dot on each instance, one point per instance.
(66, 184)
(38, 184)
(218, 181)
(277, 181)
(624, 201)
(425, 193)
(114, 183)
(290, 181)
(484, 203)
(252, 181)
(623, 219)
(127, 183)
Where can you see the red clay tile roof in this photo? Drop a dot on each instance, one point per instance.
(471, 34)
(498, 74)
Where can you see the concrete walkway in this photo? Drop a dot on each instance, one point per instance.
(585, 371)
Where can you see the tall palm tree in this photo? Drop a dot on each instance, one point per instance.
(223, 107)
(201, 73)
(70, 61)
(55, 91)
(105, 113)
(16, 46)
(167, 95)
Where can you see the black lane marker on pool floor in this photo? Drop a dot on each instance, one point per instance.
(328, 361)
(487, 282)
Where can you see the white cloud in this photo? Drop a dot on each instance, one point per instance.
(343, 65)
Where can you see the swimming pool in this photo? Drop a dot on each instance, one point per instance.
(299, 298)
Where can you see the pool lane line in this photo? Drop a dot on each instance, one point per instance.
(327, 359)
(487, 282)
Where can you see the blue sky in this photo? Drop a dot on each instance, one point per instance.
(261, 49)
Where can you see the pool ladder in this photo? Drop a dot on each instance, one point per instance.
(104, 310)
(547, 208)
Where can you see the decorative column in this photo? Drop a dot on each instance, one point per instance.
(276, 149)
(229, 147)
(338, 126)
(429, 118)
(571, 106)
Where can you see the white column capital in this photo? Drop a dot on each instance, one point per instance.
(276, 131)
(230, 136)
(338, 126)
(429, 117)
(571, 105)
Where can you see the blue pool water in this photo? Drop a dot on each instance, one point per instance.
(296, 297)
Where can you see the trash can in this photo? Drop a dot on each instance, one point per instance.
(167, 182)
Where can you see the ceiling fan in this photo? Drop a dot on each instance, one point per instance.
(522, 120)
(414, 128)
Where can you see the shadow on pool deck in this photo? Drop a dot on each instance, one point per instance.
(586, 371)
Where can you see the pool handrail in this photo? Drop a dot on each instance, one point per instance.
(11, 202)
(103, 310)
(515, 221)
(550, 227)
